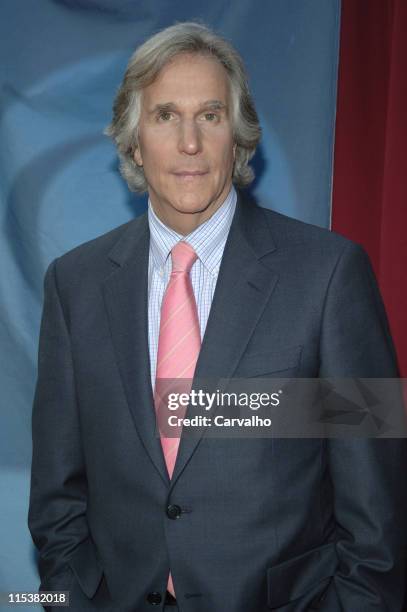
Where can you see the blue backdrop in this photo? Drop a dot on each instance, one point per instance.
(62, 61)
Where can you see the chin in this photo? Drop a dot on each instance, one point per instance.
(192, 204)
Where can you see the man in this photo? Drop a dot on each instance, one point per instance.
(207, 285)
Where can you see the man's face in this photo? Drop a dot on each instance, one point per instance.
(186, 144)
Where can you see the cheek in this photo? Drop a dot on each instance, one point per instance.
(226, 159)
(152, 149)
(223, 148)
(154, 161)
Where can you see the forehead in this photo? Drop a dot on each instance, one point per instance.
(189, 77)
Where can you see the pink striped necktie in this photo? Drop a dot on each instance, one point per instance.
(179, 344)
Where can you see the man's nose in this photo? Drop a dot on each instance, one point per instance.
(189, 138)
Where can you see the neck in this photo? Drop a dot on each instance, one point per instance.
(185, 223)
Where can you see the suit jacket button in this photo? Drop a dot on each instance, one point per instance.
(173, 511)
(154, 598)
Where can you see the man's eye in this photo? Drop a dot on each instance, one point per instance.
(165, 116)
(210, 116)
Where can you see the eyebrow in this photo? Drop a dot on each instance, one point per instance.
(171, 106)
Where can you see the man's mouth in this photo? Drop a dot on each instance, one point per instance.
(190, 173)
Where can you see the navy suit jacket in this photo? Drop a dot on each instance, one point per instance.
(281, 524)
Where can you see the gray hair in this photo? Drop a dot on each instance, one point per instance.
(144, 67)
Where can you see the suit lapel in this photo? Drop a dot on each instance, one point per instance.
(244, 286)
(126, 294)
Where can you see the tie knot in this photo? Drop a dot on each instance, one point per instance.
(183, 257)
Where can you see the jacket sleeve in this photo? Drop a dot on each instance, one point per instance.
(57, 511)
(367, 474)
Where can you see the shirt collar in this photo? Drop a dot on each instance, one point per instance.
(208, 239)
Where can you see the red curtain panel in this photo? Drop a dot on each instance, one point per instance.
(370, 167)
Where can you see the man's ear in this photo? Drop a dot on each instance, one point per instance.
(137, 157)
(234, 151)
